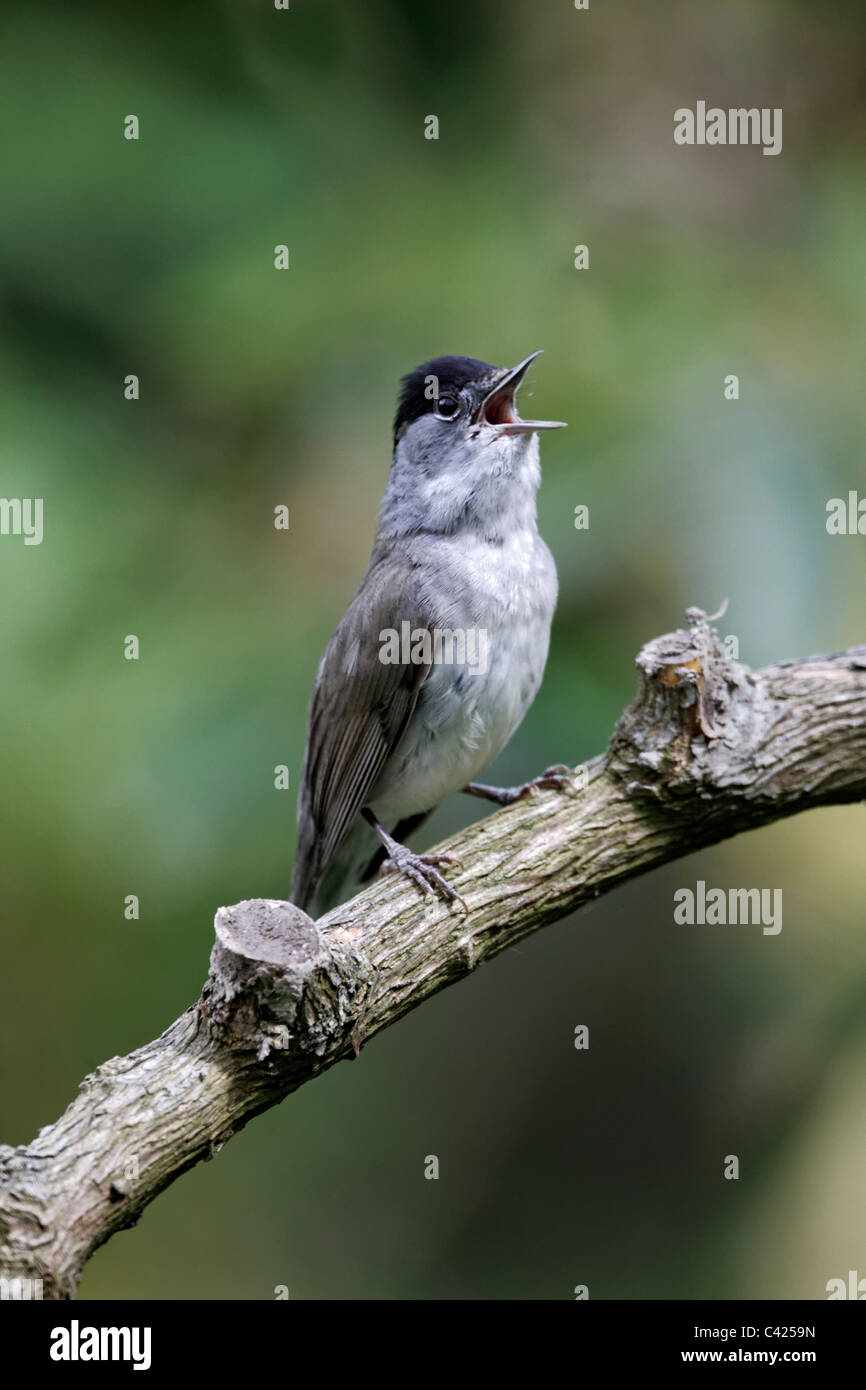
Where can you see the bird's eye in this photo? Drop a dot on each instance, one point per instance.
(447, 407)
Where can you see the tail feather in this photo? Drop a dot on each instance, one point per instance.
(316, 888)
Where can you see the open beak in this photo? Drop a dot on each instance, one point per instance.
(499, 409)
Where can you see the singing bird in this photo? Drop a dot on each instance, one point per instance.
(395, 725)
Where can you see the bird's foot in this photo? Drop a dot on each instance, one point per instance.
(423, 870)
(558, 777)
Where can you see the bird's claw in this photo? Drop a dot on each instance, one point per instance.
(558, 777)
(423, 870)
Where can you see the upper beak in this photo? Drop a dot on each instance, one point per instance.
(498, 407)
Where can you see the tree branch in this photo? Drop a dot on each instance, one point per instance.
(706, 749)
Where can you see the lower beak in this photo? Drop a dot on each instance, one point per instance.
(530, 426)
(498, 408)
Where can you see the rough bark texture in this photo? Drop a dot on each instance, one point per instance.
(706, 749)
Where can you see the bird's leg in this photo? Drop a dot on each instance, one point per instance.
(559, 776)
(422, 869)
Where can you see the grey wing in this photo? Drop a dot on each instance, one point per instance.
(359, 711)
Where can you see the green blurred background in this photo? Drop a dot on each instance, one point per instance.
(261, 387)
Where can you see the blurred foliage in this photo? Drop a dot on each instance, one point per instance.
(257, 387)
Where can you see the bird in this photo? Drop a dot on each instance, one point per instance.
(443, 646)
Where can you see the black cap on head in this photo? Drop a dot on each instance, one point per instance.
(452, 373)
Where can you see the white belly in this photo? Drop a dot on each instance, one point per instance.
(462, 720)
